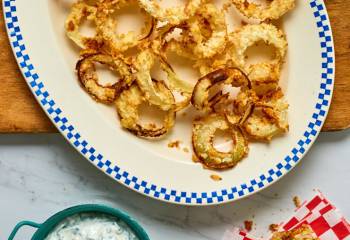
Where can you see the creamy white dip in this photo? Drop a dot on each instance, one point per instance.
(92, 226)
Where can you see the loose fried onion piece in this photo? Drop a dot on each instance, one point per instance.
(80, 12)
(174, 15)
(229, 76)
(89, 79)
(304, 232)
(203, 134)
(107, 24)
(127, 105)
(264, 76)
(269, 117)
(207, 18)
(274, 10)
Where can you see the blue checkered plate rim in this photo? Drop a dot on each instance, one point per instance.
(168, 193)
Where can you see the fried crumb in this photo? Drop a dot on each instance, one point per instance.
(248, 225)
(297, 201)
(174, 144)
(186, 150)
(243, 23)
(151, 126)
(226, 6)
(273, 227)
(195, 158)
(184, 114)
(215, 177)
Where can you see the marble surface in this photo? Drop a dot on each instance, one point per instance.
(42, 174)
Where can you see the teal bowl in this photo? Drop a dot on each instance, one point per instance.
(45, 228)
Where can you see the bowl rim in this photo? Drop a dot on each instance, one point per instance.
(47, 227)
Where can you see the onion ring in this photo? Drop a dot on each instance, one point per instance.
(88, 77)
(274, 10)
(81, 11)
(206, 47)
(269, 118)
(173, 16)
(229, 76)
(202, 139)
(127, 105)
(143, 64)
(261, 74)
(106, 26)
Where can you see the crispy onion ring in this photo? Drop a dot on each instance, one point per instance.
(80, 12)
(208, 17)
(229, 76)
(269, 118)
(263, 75)
(173, 16)
(274, 10)
(127, 105)
(88, 77)
(143, 64)
(107, 24)
(173, 81)
(202, 139)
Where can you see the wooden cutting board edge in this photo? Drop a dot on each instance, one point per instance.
(20, 113)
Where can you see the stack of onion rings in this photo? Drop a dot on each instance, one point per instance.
(257, 112)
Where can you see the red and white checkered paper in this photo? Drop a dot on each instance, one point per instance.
(323, 217)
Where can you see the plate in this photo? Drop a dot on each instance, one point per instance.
(46, 59)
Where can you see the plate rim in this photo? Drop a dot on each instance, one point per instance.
(219, 196)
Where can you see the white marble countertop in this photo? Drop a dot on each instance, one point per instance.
(42, 174)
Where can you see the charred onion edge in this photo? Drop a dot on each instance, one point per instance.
(216, 77)
(117, 87)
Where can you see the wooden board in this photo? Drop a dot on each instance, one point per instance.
(20, 113)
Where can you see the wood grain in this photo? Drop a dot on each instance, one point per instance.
(20, 113)
(339, 115)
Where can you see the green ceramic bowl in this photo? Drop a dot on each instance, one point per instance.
(45, 228)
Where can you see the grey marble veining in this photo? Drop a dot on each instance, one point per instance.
(42, 174)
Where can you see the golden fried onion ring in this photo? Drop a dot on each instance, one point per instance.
(88, 77)
(127, 105)
(202, 139)
(208, 47)
(143, 64)
(80, 12)
(269, 117)
(274, 10)
(229, 76)
(107, 24)
(263, 75)
(173, 16)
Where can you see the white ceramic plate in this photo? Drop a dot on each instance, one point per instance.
(47, 61)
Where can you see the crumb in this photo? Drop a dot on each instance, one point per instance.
(186, 150)
(226, 6)
(184, 114)
(273, 227)
(248, 225)
(151, 126)
(275, 195)
(174, 144)
(244, 23)
(195, 158)
(297, 201)
(216, 178)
